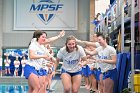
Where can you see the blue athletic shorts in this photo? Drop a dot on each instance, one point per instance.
(7, 67)
(42, 72)
(94, 72)
(71, 74)
(97, 73)
(86, 71)
(109, 74)
(0, 67)
(112, 74)
(30, 69)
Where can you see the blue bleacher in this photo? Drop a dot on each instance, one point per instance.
(118, 65)
(137, 61)
(123, 68)
(122, 72)
(127, 70)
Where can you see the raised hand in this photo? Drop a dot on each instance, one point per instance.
(61, 34)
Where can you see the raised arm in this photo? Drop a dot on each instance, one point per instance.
(91, 52)
(61, 34)
(88, 43)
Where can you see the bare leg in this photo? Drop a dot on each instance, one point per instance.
(66, 81)
(76, 82)
(5, 71)
(34, 84)
(100, 84)
(42, 84)
(1, 73)
(93, 82)
(9, 71)
(108, 85)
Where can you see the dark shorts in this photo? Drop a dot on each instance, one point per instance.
(71, 74)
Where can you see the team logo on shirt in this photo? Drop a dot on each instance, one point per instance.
(46, 10)
(102, 57)
(71, 61)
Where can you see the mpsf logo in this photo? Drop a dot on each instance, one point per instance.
(46, 9)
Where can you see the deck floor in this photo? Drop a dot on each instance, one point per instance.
(56, 85)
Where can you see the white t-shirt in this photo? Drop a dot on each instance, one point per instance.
(7, 62)
(71, 60)
(23, 62)
(106, 53)
(0, 61)
(39, 50)
(97, 44)
(16, 63)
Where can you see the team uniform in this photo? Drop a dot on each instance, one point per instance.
(108, 70)
(36, 65)
(71, 60)
(16, 62)
(23, 62)
(7, 63)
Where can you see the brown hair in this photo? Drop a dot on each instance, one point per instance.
(105, 37)
(70, 38)
(37, 34)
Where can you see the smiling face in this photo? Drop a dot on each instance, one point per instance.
(42, 38)
(102, 41)
(71, 45)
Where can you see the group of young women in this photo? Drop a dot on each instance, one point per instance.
(74, 57)
(7, 63)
